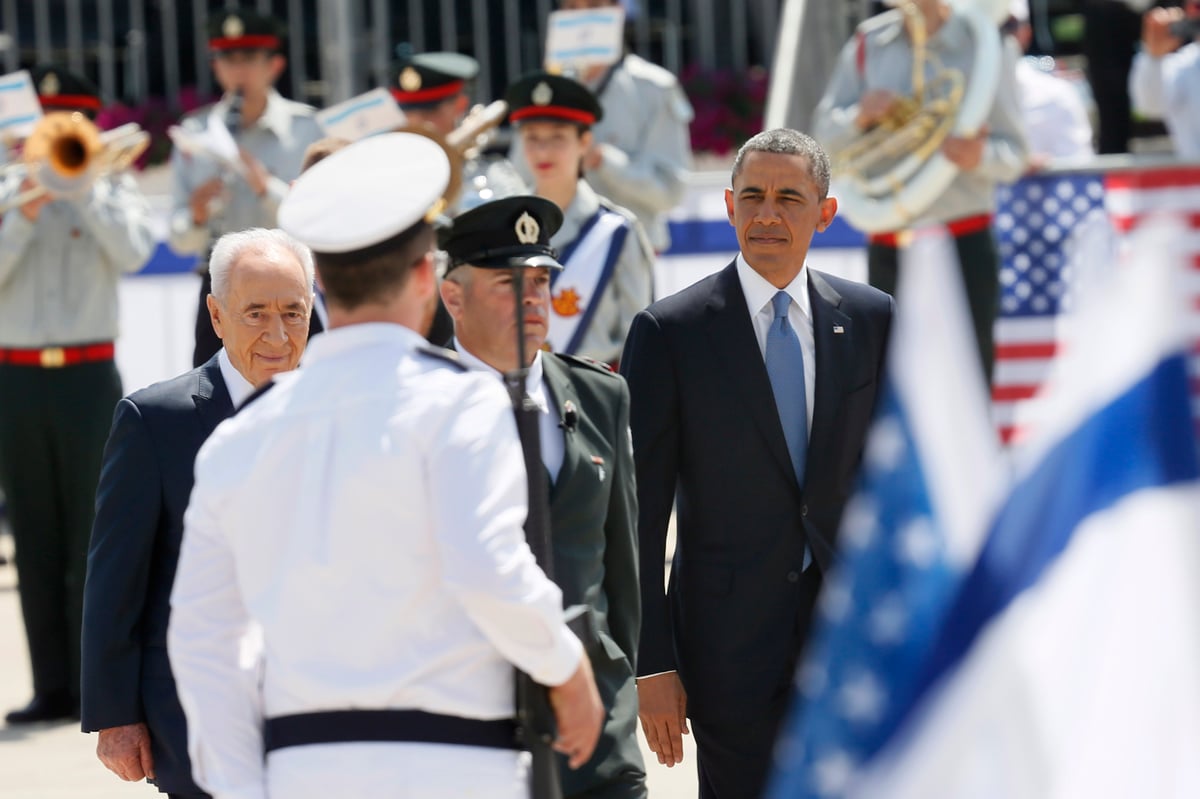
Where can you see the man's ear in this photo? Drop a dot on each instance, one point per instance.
(461, 103)
(828, 212)
(452, 298)
(278, 65)
(214, 313)
(729, 206)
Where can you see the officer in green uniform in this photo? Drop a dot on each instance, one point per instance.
(61, 258)
(213, 196)
(585, 447)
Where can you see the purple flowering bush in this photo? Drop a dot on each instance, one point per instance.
(154, 116)
(728, 104)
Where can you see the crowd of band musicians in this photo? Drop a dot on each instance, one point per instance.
(354, 586)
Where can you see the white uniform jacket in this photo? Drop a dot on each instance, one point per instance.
(354, 541)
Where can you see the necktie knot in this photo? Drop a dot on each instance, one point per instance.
(781, 302)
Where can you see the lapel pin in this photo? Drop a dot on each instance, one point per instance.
(570, 417)
(839, 329)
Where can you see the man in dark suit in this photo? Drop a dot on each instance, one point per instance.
(585, 447)
(260, 306)
(751, 395)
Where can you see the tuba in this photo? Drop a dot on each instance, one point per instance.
(890, 175)
(66, 153)
(461, 145)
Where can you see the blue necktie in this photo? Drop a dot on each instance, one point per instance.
(785, 367)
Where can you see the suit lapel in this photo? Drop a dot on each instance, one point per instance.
(833, 339)
(735, 344)
(562, 391)
(213, 404)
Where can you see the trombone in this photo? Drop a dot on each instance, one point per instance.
(66, 153)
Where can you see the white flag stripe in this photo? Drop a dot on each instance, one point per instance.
(1020, 371)
(947, 431)
(1137, 201)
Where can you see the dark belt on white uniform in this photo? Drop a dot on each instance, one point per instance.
(394, 726)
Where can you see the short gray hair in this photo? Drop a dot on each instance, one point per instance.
(786, 141)
(231, 246)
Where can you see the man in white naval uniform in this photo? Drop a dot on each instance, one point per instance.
(354, 586)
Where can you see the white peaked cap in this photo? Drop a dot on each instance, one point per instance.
(366, 193)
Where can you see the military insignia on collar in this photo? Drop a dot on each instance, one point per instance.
(527, 229)
(233, 27)
(50, 85)
(542, 94)
(410, 79)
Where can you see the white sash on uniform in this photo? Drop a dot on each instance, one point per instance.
(588, 266)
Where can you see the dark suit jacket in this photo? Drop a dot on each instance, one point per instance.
(144, 487)
(593, 512)
(705, 424)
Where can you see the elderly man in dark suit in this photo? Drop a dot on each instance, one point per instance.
(260, 306)
(751, 395)
(585, 448)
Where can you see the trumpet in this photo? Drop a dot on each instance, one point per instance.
(66, 153)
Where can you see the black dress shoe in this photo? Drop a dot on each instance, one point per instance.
(45, 707)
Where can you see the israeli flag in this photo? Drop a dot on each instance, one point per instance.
(1068, 663)
(932, 478)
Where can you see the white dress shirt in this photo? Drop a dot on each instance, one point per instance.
(552, 444)
(759, 293)
(238, 386)
(1056, 122)
(365, 516)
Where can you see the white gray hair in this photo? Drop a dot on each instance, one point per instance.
(231, 246)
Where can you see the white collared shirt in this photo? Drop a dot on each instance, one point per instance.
(552, 443)
(759, 293)
(238, 386)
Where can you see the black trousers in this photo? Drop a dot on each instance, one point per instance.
(1113, 31)
(53, 426)
(980, 267)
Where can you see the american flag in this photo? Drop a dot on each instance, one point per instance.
(1035, 223)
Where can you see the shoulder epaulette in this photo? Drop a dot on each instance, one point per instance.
(586, 363)
(873, 24)
(650, 72)
(619, 210)
(442, 354)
